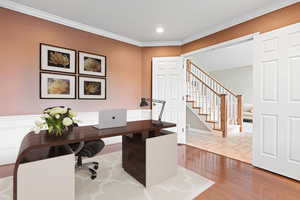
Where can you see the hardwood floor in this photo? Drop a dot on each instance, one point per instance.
(234, 180)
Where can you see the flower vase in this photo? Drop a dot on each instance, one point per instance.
(64, 133)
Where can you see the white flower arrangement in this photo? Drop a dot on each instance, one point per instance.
(56, 120)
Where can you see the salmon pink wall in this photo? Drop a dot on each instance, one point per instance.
(147, 54)
(128, 66)
(20, 36)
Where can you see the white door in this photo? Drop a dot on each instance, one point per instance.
(276, 141)
(168, 83)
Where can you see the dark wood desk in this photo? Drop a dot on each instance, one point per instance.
(37, 146)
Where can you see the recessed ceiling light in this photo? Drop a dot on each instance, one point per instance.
(160, 30)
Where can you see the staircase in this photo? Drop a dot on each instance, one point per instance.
(216, 105)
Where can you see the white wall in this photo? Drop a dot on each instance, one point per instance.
(239, 80)
(237, 55)
(194, 122)
(14, 128)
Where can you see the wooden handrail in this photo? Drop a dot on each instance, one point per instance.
(238, 115)
(212, 78)
(219, 95)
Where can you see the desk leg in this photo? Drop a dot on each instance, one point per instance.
(143, 164)
(134, 156)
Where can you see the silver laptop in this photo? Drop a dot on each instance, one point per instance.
(112, 118)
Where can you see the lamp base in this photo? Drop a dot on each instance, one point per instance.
(157, 122)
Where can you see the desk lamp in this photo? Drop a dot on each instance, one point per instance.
(144, 102)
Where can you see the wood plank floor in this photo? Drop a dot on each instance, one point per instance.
(234, 180)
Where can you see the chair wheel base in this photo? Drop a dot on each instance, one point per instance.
(93, 172)
(93, 177)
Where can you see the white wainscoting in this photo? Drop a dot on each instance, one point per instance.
(14, 128)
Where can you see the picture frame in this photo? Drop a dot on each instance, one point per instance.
(57, 59)
(91, 64)
(57, 86)
(91, 88)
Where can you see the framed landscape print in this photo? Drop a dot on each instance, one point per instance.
(57, 59)
(57, 86)
(91, 88)
(91, 64)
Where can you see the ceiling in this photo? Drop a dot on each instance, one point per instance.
(136, 20)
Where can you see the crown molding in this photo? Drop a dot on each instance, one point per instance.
(161, 43)
(70, 23)
(239, 20)
(60, 20)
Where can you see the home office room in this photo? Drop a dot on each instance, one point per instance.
(94, 100)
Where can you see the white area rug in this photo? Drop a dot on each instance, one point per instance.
(113, 183)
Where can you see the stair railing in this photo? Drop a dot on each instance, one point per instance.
(225, 106)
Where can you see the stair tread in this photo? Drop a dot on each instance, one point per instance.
(209, 121)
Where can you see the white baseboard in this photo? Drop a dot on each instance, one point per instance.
(14, 128)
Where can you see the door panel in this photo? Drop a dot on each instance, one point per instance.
(276, 138)
(269, 135)
(270, 80)
(293, 138)
(168, 83)
(294, 71)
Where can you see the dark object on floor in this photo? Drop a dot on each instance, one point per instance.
(88, 149)
(248, 120)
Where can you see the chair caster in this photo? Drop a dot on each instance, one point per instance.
(93, 177)
(96, 166)
(93, 172)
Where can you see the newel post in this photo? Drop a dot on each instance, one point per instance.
(224, 115)
(189, 67)
(240, 112)
(188, 70)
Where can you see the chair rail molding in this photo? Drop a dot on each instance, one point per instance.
(14, 128)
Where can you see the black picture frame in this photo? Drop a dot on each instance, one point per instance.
(57, 74)
(52, 69)
(91, 78)
(79, 66)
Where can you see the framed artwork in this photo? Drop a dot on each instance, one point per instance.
(91, 64)
(91, 88)
(57, 86)
(57, 59)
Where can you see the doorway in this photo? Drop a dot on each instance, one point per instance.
(229, 66)
(275, 111)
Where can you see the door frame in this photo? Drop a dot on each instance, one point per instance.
(222, 44)
(250, 37)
